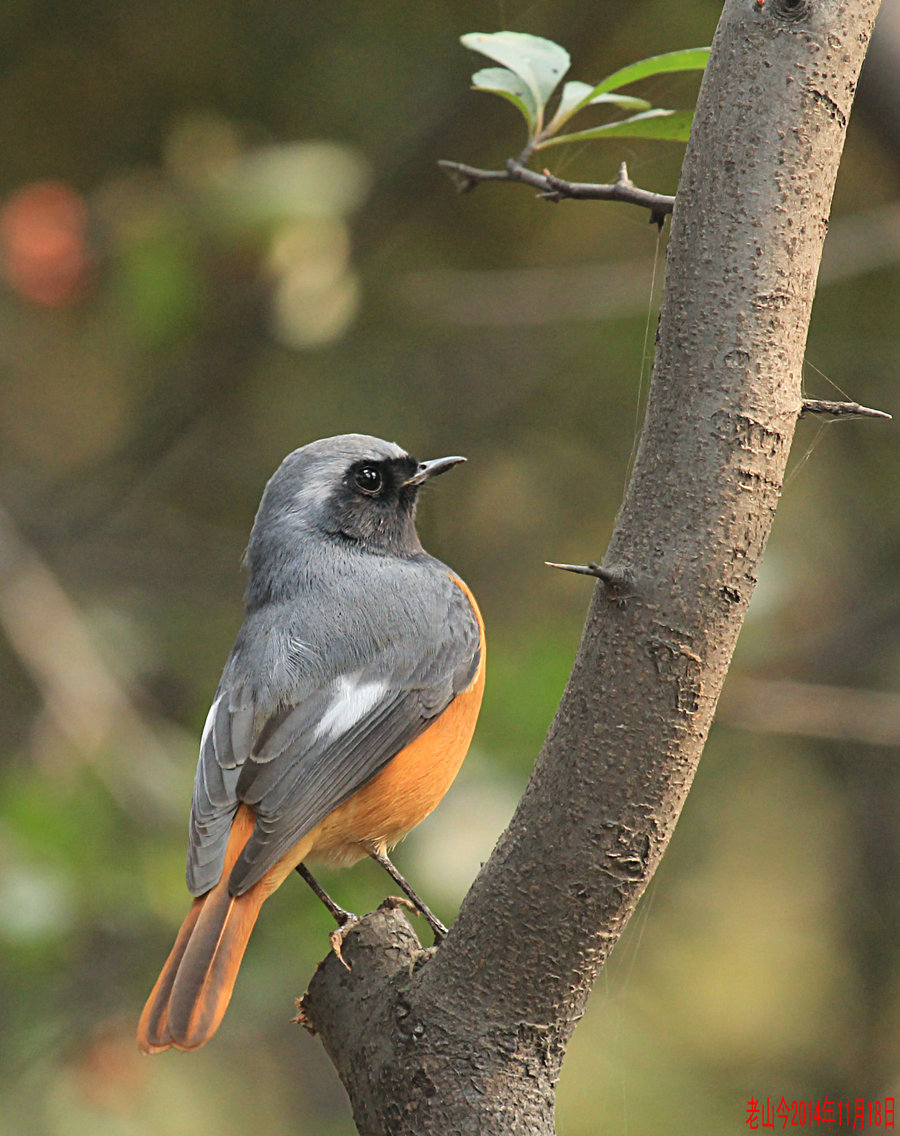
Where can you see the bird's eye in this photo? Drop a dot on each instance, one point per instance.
(368, 479)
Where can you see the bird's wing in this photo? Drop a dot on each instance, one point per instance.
(310, 755)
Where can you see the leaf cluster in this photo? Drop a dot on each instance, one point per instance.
(532, 69)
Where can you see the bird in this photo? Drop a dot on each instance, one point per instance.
(343, 714)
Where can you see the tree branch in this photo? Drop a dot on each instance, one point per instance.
(556, 189)
(472, 1038)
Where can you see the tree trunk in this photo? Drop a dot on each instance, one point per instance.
(470, 1039)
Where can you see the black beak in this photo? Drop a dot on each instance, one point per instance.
(430, 469)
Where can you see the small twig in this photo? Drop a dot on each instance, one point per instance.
(618, 582)
(821, 406)
(553, 188)
(589, 569)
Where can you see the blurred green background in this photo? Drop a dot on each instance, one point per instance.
(223, 234)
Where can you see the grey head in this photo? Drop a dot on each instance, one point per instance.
(349, 491)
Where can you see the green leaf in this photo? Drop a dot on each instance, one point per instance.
(540, 63)
(576, 95)
(690, 59)
(500, 81)
(624, 102)
(664, 125)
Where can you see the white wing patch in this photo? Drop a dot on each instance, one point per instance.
(353, 700)
(210, 718)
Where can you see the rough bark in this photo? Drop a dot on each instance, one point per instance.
(470, 1039)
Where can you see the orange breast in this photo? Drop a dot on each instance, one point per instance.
(410, 786)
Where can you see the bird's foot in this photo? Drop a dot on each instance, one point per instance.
(339, 933)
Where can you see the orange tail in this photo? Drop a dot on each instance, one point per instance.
(192, 993)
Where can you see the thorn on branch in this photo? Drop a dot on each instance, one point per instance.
(552, 188)
(839, 409)
(617, 582)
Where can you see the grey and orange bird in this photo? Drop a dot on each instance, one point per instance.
(343, 714)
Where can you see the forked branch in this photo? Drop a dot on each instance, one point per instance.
(553, 188)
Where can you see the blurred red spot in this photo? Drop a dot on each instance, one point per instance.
(44, 244)
(109, 1072)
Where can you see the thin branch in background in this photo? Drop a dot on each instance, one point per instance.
(83, 697)
(812, 710)
(531, 296)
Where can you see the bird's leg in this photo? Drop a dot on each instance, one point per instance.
(344, 919)
(436, 925)
(340, 916)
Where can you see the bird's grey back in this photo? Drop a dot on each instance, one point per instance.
(360, 606)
